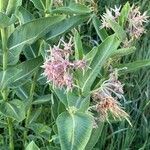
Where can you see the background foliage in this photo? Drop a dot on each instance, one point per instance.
(33, 106)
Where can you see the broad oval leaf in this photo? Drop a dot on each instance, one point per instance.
(28, 33)
(74, 130)
(105, 49)
(65, 25)
(14, 109)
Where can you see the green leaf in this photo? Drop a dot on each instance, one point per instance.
(123, 51)
(7, 77)
(73, 8)
(24, 15)
(71, 99)
(42, 99)
(105, 49)
(133, 66)
(78, 46)
(32, 146)
(61, 95)
(41, 130)
(96, 133)
(119, 31)
(12, 5)
(74, 130)
(35, 114)
(14, 109)
(3, 5)
(28, 33)
(124, 14)
(90, 55)
(101, 32)
(27, 69)
(39, 4)
(4, 20)
(65, 25)
(23, 91)
(31, 52)
(74, 100)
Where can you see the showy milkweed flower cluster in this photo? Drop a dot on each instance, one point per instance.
(112, 14)
(106, 98)
(58, 68)
(135, 20)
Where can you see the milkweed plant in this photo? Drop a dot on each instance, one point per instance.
(56, 87)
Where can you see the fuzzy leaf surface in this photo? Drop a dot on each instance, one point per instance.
(74, 130)
(28, 33)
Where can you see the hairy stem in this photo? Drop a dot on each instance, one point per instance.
(11, 133)
(30, 107)
(5, 91)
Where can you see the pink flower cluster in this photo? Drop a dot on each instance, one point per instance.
(58, 68)
(106, 99)
(111, 14)
(135, 20)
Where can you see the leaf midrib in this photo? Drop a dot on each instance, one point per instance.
(13, 110)
(33, 38)
(73, 130)
(93, 70)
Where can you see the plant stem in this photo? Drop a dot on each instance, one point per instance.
(11, 132)
(30, 106)
(5, 91)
